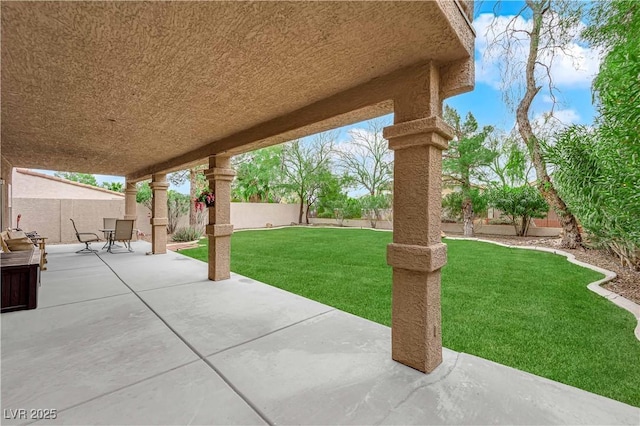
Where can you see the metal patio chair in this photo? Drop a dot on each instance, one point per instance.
(123, 233)
(86, 238)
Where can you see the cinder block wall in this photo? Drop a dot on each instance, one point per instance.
(50, 217)
(254, 215)
(257, 215)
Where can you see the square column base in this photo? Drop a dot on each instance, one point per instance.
(219, 257)
(416, 336)
(159, 239)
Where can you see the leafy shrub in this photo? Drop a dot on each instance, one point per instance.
(345, 208)
(325, 215)
(598, 169)
(186, 234)
(177, 205)
(373, 205)
(452, 204)
(519, 204)
(352, 209)
(500, 221)
(598, 177)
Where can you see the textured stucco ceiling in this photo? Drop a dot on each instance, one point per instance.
(116, 87)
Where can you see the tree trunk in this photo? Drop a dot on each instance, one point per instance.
(571, 236)
(193, 215)
(526, 221)
(514, 220)
(301, 209)
(467, 211)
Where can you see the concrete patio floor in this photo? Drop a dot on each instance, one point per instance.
(134, 339)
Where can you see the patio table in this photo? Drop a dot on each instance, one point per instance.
(109, 232)
(111, 243)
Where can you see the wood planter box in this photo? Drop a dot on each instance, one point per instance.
(20, 279)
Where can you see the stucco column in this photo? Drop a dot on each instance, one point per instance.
(417, 138)
(159, 213)
(219, 230)
(130, 205)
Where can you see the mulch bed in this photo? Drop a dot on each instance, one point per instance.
(627, 282)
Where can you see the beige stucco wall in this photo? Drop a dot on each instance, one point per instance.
(456, 228)
(507, 230)
(50, 217)
(31, 186)
(257, 215)
(353, 223)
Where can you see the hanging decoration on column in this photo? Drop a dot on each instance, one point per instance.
(206, 198)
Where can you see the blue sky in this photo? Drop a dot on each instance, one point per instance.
(572, 74)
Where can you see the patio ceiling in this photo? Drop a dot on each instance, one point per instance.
(133, 88)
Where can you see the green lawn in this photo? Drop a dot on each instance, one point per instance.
(529, 310)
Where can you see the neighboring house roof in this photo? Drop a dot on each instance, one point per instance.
(29, 184)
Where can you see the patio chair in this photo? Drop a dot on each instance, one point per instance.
(86, 238)
(108, 223)
(123, 233)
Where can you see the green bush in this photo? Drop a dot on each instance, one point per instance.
(500, 221)
(325, 215)
(186, 234)
(452, 204)
(519, 204)
(598, 177)
(352, 209)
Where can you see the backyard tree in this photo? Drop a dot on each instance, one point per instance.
(346, 208)
(598, 170)
(197, 183)
(554, 24)
(464, 164)
(307, 168)
(144, 195)
(86, 178)
(373, 206)
(113, 186)
(259, 175)
(453, 203)
(519, 204)
(367, 158)
(333, 195)
(512, 165)
(177, 205)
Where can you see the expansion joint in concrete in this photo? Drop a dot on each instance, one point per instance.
(202, 357)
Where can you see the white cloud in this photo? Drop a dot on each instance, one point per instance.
(574, 66)
(567, 116)
(551, 122)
